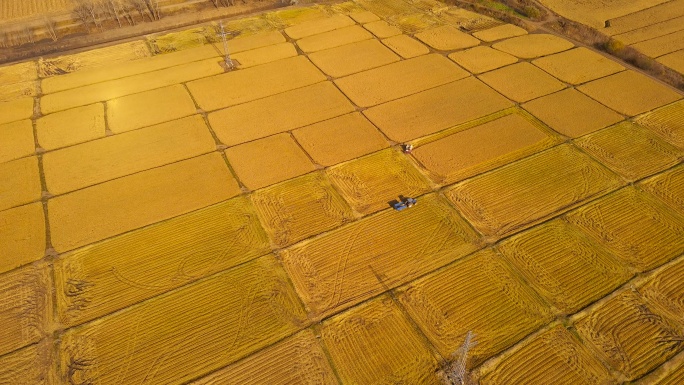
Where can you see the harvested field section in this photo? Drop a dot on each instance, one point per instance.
(405, 46)
(634, 226)
(147, 108)
(645, 16)
(115, 156)
(20, 182)
(298, 359)
(532, 46)
(431, 111)
(299, 208)
(102, 211)
(375, 344)
(369, 184)
(25, 307)
(112, 89)
(254, 83)
(596, 12)
(116, 273)
(479, 294)
(269, 160)
(668, 186)
(109, 56)
(26, 366)
(322, 140)
(399, 79)
(572, 113)
(674, 60)
(22, 236)
(629, 335)
(187, 333)
(447, 38)
(631, 150)
(662, 45)
(553, 357)
(522, 82)
(73, 126)
(666, 288)
(523, 193)
(279, 113)
(565, 267)
(578, 65)
(367, 54)
(500, 32)
(482, 148)
(17, 140)
(482, 59)
(652, 31)
(332, 39)
(668, 122)
(341, 268)
(16, 109)
(630, 93)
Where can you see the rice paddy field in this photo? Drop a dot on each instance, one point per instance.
(166, 221)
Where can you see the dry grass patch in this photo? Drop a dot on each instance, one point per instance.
(279, 113)
(73, 126)
(341, 268)
(565, 267)
(374, 343)
(104, 210)
(572, 113)
(340, 139)
(382, 29)
(631, 150)
(634, 226)
(479, 294)
(300, 208)
(532, 46)
(22, 236)
(111, 275)
(370, 183)
(431, 111)
(554, 357)
(629, 334)
(447, 38)
(15, 109)
(668, 186)
(630, 93)
(521, 194)
(190, 332)
(367, 54)
(20, 182)
(483, 147)
(399, 79)
(668, 122)
(482, 59)
(500, 32)
(405, 46)
(333, 39)
(522, 82)
(293, 360)
(17, 140)
(578, 65)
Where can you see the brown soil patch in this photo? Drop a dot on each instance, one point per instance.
(482, 59)
(22, 236)
(578, 65)
(20, 182)
(522, 82)
(366, 54)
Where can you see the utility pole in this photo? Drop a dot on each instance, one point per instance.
(455, 371)
(229, 63)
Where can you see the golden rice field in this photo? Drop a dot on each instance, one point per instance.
(166, 221)
(17, 9)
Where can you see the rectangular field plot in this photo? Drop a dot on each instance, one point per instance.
(73, 126)
(631, 150)
(254, 83)
(480, 148)
(553, 357)
(634, 226)
(279, 113)
(299, 208)
(564, 266)
(17, 140)
(517, 195)
(27, 366)
(314, 27)
(336, 38)
(666, 288)
(341, 268)
(370, 183)
(16, 109)
(578, 65)
(188, 333)
(647, 16)
(662, 45)
(400, 79)
(110, 275)
(631, 338)
(20, 182)
(265, 55)
(375, 344)
(431, 111)
(25, 307)
(522, 82)
(479, 294)
(104, 210)
(18, 90)
(668, 186)
(115, 156)
(668, 122)
(652, 31)
(297, 359)
(109, 56)
(367, 54)
(22, 236)
(18, 73)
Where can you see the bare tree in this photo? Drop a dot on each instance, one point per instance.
(27, 31)
(50, 27)
(112, 8)
(81, 12)
(141, 7)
